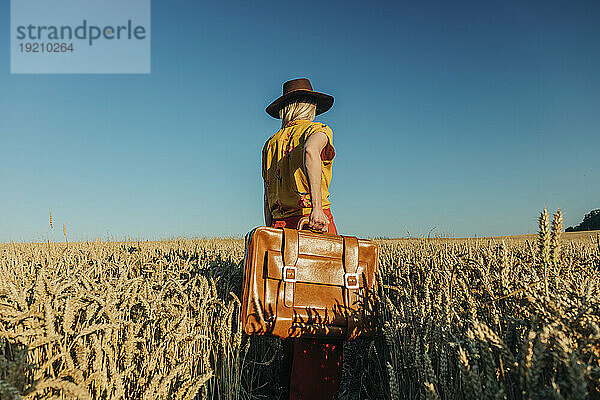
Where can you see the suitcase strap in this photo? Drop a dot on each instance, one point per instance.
(290, 259)
(353, 316)
(285, 303)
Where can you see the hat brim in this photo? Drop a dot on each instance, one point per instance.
(324, 101)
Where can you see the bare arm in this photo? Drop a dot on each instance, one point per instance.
(312, 168)
(267, 211)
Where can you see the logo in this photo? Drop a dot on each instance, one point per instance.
(82, 32)
(80, 36)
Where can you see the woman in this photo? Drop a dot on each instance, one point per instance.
(297, 169)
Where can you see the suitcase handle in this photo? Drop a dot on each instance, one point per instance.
(304, 221)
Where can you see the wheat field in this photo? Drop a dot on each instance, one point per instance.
(494, 318)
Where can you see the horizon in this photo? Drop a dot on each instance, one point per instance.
(131, 239)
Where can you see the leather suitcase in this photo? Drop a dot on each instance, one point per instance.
(303, 283)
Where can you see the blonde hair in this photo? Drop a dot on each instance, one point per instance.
(302, 107)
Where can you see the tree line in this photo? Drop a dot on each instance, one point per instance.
(591, 222)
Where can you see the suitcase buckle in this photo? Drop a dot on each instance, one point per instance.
(351, 280)
(289, 274)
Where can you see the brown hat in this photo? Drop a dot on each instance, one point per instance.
(299, 87)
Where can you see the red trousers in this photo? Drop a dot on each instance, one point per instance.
(311, 368)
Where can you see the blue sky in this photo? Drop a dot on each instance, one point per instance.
(462, 117)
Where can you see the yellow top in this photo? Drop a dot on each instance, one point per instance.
(288, 193)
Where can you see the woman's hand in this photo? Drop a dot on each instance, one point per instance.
(318, 220)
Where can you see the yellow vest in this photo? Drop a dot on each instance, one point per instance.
(288, 193)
